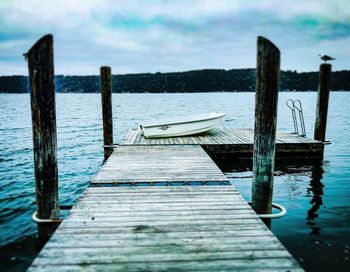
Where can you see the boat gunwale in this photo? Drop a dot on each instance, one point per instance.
(183, 122)
(206, 129)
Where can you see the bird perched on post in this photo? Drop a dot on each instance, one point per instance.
(325, 57)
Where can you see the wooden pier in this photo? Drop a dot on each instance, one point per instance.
(163, 204)
(140, 213)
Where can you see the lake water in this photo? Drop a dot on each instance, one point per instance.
(316, 229)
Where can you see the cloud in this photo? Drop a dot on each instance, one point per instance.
(151, 36)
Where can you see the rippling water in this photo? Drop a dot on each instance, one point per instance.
(316, 229)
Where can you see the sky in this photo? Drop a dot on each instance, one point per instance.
(168, 36)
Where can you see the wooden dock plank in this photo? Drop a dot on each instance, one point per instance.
(233, 137)
(131, 236)
(133, 139)
(221, 265)
(127, 138)
(248, 134)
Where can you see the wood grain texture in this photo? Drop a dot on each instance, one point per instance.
(119, 224)
(217, 136)
(266, 97)
(106, 98)
(156, 163)
(236, 142)
(322, 101)
(43, 106)
(163, 235)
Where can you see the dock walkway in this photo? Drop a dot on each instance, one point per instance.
(159, 164)
(128, 221)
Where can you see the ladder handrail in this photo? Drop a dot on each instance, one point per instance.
(292, 108)
(296, 105)
(301, 116)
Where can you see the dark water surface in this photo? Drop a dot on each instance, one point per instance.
(316, 229)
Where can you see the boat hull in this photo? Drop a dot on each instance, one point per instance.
(180, 129)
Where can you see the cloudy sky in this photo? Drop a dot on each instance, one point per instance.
(151, 36)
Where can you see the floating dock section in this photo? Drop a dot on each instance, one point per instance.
(235, 143)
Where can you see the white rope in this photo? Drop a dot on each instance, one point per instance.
(274, 215)
(45, 221)
(111, 146)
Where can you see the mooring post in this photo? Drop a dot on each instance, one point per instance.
(322, 102)
(267, 75)
(106, 95)
(43, 106)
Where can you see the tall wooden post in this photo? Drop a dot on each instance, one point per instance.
(322, 102)
(42, 96)
(267, 76)
(106, 95)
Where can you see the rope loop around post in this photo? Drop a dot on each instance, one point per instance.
(283, 212)
(45, 221)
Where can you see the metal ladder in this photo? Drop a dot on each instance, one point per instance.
(295, 106)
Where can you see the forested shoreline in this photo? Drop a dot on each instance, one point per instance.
(208, 80)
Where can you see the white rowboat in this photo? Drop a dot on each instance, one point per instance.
(181, 126)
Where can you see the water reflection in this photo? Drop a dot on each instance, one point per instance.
(295, 170)
(315, 190)
(282, 166)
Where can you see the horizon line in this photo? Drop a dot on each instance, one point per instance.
(122, 74)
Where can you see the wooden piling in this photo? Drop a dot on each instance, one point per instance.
(267, 74)
(322, 102)
(42, 96)
(106, 95)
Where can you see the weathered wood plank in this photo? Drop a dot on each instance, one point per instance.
(235, 138)
(95, 239)
(221, 265)
(129, 247)
(138, 138)
(134, 136)
(248, 135)
(159, 207)
(116, 255)
(187, 189)
(177, 195)
(218, 264)
(239, 133)
(140, 201)
(128, 137)
(150, 224)
(224, 138)
(246, 225)
(181, 219)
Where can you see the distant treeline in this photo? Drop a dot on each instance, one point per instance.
(209, 80)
